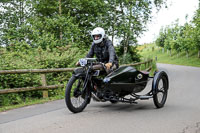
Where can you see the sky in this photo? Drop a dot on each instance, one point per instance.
(177, 9)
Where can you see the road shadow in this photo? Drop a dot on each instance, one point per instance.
(124, 107)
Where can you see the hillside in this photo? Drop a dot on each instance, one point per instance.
(152, 51)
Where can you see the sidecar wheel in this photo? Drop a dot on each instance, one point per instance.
(75, 99)
(161, 89)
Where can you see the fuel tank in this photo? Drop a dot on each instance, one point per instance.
(126, 79)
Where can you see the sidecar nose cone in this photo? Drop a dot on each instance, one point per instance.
(106, 80)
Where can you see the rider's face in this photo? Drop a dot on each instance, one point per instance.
(96, 37)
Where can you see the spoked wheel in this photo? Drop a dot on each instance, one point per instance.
(76, 99)
(161, 89)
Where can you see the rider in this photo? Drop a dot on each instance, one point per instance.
(103, 48)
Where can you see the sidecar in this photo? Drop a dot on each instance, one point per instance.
(126, 80)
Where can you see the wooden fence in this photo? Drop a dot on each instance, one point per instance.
(42, 72)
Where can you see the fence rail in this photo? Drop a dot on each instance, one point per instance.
(23, 71)
(44, 86)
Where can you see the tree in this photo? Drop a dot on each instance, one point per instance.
(133, 19)
(187, 39)
(70, 21)
(87, 15)
(37, 23)
(177, 37)
(196, 32)
(160, 41)
(13, 14)
(168, 39)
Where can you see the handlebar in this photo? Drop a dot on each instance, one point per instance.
(94, 65)
(100, 66)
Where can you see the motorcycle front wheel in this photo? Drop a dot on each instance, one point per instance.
(76, 98)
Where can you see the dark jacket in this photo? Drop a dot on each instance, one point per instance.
(104, 52)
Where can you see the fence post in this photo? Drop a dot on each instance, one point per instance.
(44, 83)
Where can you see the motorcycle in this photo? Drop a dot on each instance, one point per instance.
(120, 85)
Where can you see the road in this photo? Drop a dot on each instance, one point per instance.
(181, 113)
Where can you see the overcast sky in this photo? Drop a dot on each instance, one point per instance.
(177, 9)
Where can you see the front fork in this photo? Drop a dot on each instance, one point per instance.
(88, 86)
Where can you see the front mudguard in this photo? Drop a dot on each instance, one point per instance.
(156, 78)
(79, 72)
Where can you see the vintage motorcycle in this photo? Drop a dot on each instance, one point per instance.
(121, 85)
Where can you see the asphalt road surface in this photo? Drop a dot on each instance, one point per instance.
(181, 113)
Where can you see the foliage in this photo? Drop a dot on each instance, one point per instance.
(161, 39)
(131, 56)
(70, 21)
(35, 30)
(13, 16)
(179, 38)
(60, 57)
(196, 31)
(128, 19)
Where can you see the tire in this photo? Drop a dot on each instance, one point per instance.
(113, 102)
(161, 88)
(74, 95)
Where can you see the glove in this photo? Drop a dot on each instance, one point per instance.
(108, 65)
(78, 63)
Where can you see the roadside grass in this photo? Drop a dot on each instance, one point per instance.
(31, 102)
(152, 51)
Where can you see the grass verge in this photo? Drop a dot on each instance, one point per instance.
(151, 51)
(31, 102)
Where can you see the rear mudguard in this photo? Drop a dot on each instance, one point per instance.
(157, 76)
